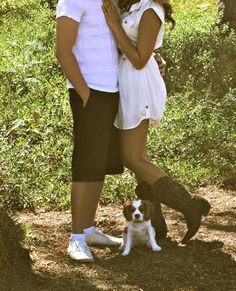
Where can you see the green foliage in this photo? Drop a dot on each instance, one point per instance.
(201, 57)
(35, 116)
(51, 4)
(195, 142)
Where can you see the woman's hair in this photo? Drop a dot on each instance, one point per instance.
(124, 5)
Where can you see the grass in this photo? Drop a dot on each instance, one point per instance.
(195, 142)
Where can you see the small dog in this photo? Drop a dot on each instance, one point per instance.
(139, 230)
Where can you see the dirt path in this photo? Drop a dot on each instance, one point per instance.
(206, 263)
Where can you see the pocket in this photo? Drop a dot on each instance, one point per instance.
(74, 96)
(89, 99)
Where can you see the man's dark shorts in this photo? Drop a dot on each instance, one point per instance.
(96, 140)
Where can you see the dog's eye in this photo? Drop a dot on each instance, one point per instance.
(132, 209)
(141, 210)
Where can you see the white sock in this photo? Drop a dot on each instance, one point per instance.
(77, 236)
(90, 230)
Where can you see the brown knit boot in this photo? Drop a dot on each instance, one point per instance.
(174, 195)
(144, 192)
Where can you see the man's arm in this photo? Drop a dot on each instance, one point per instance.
(161, 63)
(66, 33)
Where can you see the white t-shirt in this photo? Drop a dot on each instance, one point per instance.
(95, 48)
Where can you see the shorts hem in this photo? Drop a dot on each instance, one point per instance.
(115, 172)
(88, 180)
(98, 179)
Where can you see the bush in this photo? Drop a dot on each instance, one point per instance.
(198, 130)
(202, 60)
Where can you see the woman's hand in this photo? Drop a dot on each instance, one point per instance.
(111, 14)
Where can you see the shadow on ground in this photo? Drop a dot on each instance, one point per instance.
(198, 266)
(205, 263)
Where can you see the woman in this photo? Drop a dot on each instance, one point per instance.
(142, 99)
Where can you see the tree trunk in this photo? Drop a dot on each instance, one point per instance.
(227, 9)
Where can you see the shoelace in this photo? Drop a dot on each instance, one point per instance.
(80, 246)
(100, 233)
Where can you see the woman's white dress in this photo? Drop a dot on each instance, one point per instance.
(142, 92)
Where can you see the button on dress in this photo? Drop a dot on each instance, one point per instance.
(142, 92)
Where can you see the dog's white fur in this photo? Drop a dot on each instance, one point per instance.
(139, 230)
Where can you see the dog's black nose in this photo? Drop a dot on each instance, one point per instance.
(137, 215)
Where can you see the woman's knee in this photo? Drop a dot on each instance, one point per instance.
(132, 161)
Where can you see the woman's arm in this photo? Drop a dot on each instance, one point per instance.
(66, 33)
(148, 30)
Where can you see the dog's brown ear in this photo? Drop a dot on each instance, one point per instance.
(148, 210)
(127, 212)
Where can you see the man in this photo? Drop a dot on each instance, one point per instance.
(88, 55)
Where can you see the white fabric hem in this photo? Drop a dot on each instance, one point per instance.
(154, 121)
(64, 12)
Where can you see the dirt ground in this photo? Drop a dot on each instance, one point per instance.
(208, 262)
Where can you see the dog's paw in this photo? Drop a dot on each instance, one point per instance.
(156, 248)
(125, 253)
(121, 247)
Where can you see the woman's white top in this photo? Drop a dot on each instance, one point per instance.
(95, 48)
(142, 92)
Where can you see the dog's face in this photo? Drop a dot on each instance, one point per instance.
(138, 211)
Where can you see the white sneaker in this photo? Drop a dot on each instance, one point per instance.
(78, 250)
(99, 238)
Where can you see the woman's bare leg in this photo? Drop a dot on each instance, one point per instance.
(133, 143)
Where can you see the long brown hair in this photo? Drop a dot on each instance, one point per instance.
(124, 5)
